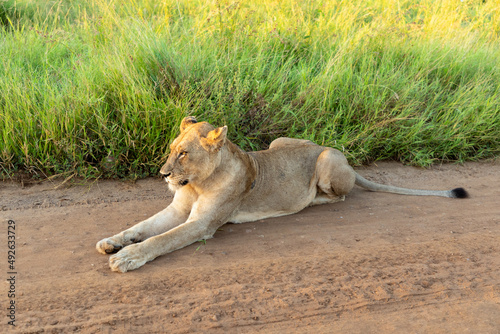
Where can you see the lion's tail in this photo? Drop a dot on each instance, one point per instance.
(372, 186)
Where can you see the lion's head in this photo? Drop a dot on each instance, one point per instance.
(194, 154)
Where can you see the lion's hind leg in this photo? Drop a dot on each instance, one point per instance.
(335, 178)
(283, 141)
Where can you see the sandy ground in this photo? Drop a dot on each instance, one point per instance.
(376, 263)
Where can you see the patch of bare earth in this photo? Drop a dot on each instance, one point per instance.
(374, 263)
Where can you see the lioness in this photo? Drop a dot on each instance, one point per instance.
(215, 182)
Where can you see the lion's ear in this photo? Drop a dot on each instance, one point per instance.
(188, 121)
(215, 139)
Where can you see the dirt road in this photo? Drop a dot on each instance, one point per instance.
(376, 263)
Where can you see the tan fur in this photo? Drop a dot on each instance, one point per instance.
(216, 182)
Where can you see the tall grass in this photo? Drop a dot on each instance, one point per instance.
(98, 87)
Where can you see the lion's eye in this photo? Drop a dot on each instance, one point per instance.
(182, 154)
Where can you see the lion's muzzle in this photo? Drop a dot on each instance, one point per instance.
(173, 180)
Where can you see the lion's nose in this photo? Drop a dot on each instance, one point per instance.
(167, 174)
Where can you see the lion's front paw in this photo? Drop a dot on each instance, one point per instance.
(129, 258)
(108, 246)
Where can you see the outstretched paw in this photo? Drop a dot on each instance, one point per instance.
(108, 246)
(129, 258)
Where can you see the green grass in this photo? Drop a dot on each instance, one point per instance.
(97, 88)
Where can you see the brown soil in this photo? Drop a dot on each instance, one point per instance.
(374, 263)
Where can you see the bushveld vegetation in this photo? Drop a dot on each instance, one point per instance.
(97, 88)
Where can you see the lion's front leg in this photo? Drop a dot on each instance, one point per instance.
(130, 258)
(157, 224)
(115, 243)
(197, 227)
(175, 214)
(134, 256)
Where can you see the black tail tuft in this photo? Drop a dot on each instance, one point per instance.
(459, 193)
